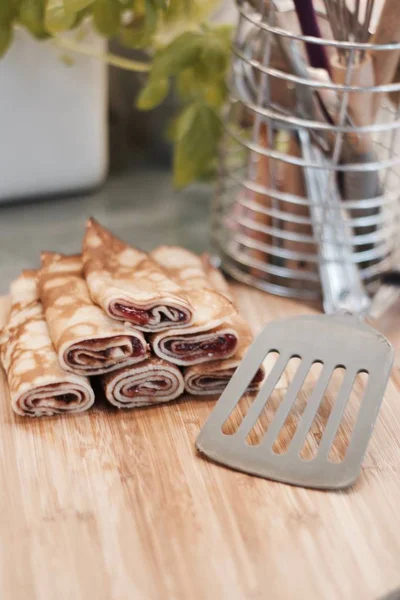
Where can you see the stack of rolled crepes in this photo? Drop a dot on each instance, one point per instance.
(209, 343)
(38, 385)
(149, 325)
(90, 342)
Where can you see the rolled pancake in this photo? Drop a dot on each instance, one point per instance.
(87, 341)
(212, 334)
(129, 285)
(151, 382)
(38, 385)
(213, 377)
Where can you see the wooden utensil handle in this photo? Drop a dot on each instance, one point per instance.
(395, 96)
(293, 183)
(264, 167)
(385, 62)
(359, 104)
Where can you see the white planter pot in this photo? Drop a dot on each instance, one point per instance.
(53, 119)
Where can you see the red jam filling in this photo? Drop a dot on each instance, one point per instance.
(137, 349)
(206, 381)
(210, 380)
(215, 347)
(258, 377)
(140, 389)
(142, 317)
(66, 397)
(137, 316)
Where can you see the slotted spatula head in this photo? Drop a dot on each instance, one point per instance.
(334, 341)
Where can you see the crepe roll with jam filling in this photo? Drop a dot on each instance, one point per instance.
(131, 286)
(86, 339)
(153, 381)
(37, 383)
(212, 334)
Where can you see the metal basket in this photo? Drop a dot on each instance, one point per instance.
(262, 230)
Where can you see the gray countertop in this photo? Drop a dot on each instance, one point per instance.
(138, 205)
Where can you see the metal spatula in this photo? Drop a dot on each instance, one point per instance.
(340, 340)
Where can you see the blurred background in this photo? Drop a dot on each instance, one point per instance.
(79, 140)
(128, 109)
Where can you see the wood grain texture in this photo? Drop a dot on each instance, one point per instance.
(117, 505)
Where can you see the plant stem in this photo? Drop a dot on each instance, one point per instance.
(111, 59)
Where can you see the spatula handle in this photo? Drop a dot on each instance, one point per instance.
(343, 290)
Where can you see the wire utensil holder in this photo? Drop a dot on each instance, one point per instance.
(263, 230)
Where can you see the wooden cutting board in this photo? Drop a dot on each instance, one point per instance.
(117, 505)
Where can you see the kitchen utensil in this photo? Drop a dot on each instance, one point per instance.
(287, 178)
(340, 340)
(387, 294)
(358, 148)
(293, 184)
(393, 595)
(340, 279)
(373, 232)
(309, 26)
(395, 96)
(355, 148)
(386, 61)
(263, 170)
(349, 25)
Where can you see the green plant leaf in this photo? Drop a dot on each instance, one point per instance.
(7, 15)
(132, 35)
(213, 54)
(189, 83)
(224, 33)
(179, 54)
(150, 16)
(197, 133)
(139, 33)
(31, 16)
(197, 83)
(106, 16)
(6, 35)
(190, 10)
(74, 6)
(171, 130)
(7, 11)
(152, 94)
(56, 18)
(216, 93)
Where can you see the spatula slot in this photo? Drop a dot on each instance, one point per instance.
(273, 402)
(241, 408)
(321, 415)
(344, 433)
(286, 434)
